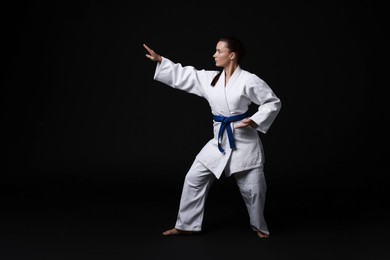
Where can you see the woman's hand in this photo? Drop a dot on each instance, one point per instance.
(152, 55)
(245, 123)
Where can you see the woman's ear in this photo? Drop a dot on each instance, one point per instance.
(233, 55)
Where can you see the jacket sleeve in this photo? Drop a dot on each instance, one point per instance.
(185, 78)
(269, 104)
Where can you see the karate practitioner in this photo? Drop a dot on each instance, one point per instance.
(236, 148)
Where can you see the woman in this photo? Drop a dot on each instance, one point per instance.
(236, 148)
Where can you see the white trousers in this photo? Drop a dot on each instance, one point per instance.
(197, 183)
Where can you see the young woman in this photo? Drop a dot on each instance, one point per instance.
(236, 148)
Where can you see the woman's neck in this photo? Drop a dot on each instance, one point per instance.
(229, 70)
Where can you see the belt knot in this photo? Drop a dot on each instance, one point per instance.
(225, 125)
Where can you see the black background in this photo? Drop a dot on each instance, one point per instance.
(95, 150)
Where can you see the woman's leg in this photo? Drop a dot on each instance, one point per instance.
(253, 189)
(191, 210)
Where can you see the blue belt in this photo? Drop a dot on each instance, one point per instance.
(225, 124)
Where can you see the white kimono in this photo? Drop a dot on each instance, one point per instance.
(242, 89)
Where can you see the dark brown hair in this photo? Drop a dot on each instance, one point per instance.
(234, 45)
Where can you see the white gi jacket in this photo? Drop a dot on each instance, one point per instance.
(242, 89)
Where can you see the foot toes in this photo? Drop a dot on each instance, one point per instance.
(262, 235)
(175, 231)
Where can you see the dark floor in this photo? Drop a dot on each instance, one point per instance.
(71, 217)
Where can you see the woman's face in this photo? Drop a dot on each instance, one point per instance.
(222, 55)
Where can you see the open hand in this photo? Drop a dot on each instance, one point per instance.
(152, 55)
(245, 123)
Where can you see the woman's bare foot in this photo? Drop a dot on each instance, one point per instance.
(175, 231)
(261, 234)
